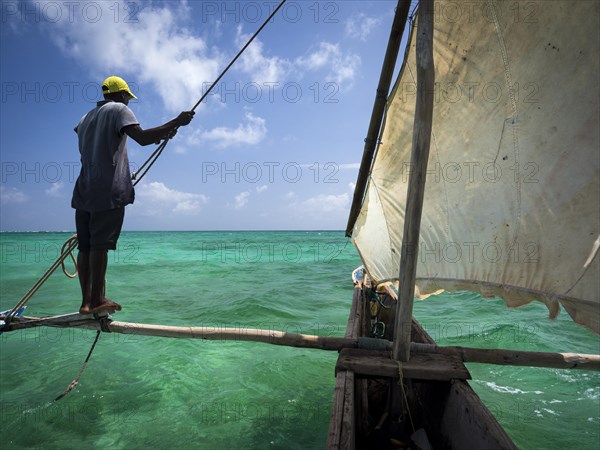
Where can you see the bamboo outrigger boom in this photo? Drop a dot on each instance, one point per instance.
(275, 337)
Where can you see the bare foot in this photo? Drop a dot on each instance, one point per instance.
(114, 305)
(85, 309)
(107, 305)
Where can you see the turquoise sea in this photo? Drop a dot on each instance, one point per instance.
(144, 392)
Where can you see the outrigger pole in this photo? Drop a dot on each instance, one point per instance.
(445, 358)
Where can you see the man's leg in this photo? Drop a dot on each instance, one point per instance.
(82, 222)
(92, 275)
(98, 264)
(105, 233)
(83, 266)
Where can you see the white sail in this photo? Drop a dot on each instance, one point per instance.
(512, 198)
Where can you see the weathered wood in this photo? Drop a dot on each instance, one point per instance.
(348, 434)
(362, 405)
(353, 325)
(472, 355)
(361, 394)
(423, 366)
(274, 337)
(334, 437)
(513, 357)
(416, 182)
(341, 423)
(468, 423)
(385, 80)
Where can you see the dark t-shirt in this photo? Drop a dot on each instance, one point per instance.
(104, 181)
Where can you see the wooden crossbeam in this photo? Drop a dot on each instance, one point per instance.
(423, 366)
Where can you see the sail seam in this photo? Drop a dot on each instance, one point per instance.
(513, 105)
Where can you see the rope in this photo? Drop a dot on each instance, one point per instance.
(76, 380)
(67, 250)
(69, 244)
(401, 383)
(154, 156)
(152, 159)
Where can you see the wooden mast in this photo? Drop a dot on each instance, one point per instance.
(416, 181)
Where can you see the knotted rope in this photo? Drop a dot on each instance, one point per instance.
(65, 252)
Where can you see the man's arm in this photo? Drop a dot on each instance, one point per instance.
(157, 134)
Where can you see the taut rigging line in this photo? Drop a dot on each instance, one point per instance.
(154, 156)
(71, 243)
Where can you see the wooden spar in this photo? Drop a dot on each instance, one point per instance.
(350, 341)
(385, 80)
(274, 337)
(236, 334)
(416, 182)
(513, 357)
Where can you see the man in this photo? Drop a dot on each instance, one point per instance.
(104, 185)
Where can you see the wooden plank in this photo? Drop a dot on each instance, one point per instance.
(353, 325)
(362, 406)
(334, 436)
(422, 366)
(468, 423)
(341, 423)
(347, 438)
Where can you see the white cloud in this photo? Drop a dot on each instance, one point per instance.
(352, 186)
(241, 200)
(155, 198)
(12, 195)
(251, 132)
(159, 46)
(261, 68)
(152, 47)
(290, 195)
(349, 166)
(361, 26)
(323, 203)
(262, 188)
(56, 190)
(342, 66)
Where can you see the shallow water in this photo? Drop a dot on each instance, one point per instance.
(166, 393)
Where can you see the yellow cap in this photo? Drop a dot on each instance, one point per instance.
(115, 84)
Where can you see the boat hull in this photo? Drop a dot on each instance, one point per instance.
(370, 411)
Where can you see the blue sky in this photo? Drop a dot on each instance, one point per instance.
(276, 146)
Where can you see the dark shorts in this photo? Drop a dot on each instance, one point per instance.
(99, 230)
